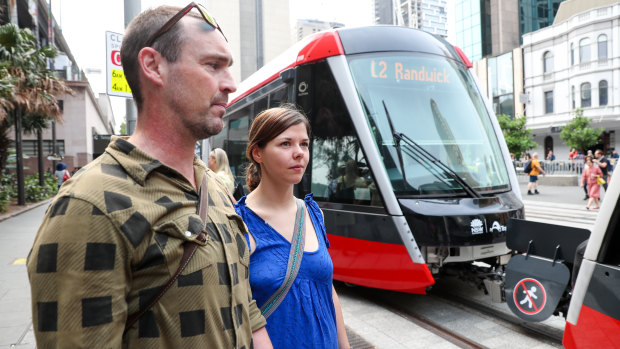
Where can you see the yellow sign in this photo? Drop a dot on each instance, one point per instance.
(19, 261)
(118, 83)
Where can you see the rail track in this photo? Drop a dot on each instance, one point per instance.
(456, 312)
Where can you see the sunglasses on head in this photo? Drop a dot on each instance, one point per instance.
(172, 21)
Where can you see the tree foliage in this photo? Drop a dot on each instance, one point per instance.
(123, 129)
(28, 89)
(579, 134)
(518, 138)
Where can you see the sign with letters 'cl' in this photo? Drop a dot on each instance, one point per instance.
(117, 84)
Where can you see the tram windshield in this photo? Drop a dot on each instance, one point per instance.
(434, 103)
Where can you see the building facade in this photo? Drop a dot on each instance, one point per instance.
(427, 15)
(257, 31)
(574, 64)
(537, 14)
(305, 27)
(489, 32)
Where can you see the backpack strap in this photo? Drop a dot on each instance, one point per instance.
(294, 262)
(189, 248)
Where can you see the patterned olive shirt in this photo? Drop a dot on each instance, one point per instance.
(113, 237)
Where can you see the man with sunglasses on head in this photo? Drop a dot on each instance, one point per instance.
(103, 268)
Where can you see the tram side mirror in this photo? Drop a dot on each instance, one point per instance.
(288, 77)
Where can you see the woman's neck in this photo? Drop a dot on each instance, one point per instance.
(271, 196)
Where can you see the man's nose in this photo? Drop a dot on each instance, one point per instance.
(227, 82)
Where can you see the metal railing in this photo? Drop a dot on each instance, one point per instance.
(555, 167)
(560, 167)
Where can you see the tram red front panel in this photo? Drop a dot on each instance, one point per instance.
(593, 330)
(378, 265)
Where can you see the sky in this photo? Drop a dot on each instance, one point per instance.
(84, 24)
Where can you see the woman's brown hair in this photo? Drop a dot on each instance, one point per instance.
(266, 126)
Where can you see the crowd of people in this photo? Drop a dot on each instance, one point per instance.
(147, 247)
(595, 172)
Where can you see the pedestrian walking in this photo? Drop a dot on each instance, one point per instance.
(143, 249)
(287, 237)
(604, 164)
(536, 170)
(591, 174)
(61, 174)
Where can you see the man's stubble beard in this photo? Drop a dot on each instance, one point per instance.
(206, 128)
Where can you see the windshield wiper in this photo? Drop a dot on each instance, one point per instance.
(428, 157)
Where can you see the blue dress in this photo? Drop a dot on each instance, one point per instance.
(306, 317)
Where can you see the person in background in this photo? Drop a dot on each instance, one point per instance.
(614, 154)
(536, 170)
(218, 163)
(589, 176)
(118, 231)
(603, 163)
(550, 156)
(309, 315)
(61, 173)
(573, 153)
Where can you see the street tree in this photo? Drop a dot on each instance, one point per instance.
(27, 90)
(579, 134)
(518, 138)
(123, 129)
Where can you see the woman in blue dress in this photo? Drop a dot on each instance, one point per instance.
(309, 315)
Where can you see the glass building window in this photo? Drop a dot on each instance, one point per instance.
(584, 50)
(500, 81)
(548, 102)
(602, 92)
(572, 54)
(586, 97)
(602, 46)
(548, 62)
(573, 96)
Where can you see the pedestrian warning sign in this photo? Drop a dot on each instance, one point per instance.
(534, 286)
(530, 296)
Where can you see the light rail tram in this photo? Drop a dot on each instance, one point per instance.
(407, 160)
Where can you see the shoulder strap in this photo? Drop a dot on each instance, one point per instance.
(294, 262)
(189, 248)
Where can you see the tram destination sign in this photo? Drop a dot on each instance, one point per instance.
(398, 70)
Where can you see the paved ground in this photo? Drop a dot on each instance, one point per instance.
(565, 195)
(372, 323)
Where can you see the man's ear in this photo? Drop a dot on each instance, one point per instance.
(152, 64)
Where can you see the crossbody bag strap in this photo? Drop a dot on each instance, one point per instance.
(189, 248)
(294, 262)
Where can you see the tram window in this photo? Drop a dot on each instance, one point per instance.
(277, 98)
(217, 141)
(339, 171)
(260, 105)
(238, 127)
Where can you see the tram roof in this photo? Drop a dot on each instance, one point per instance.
(348, 41)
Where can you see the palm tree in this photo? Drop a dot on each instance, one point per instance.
(27, 88)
